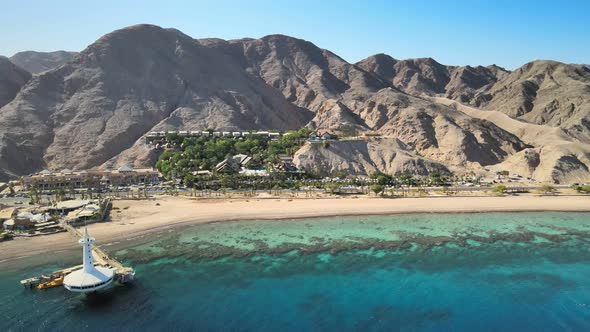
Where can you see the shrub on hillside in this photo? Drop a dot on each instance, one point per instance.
(500, 189)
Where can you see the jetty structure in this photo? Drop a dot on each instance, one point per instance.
(98, 270)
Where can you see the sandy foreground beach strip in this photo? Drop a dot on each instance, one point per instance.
(131, 219)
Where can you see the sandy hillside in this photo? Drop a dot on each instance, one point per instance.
(553, 156)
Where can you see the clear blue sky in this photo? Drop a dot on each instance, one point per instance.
(507, 33)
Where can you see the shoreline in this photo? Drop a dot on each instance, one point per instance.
(133, 219)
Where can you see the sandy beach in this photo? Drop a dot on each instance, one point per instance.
(132, 219)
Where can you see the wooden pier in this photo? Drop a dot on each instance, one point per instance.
(32, 282)
(123, 274)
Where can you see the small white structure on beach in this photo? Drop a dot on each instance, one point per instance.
(90, 278)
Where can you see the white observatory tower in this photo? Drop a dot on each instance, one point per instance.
(90, 278)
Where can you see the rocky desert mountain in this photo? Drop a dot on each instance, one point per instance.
(541, 92)
(349, 100)
(426, 76)
(93, 110)
(38, 62)
(544, 92)
(131, 81)
(12, 79)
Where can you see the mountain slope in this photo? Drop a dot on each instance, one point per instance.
(306, 75)
(541, 92)
(349, 99)
(545, 92)
(554, 155)
(127, 83)
(426, 76)
(12, 79)
(94, 109)
(37, 62)
(361, 157)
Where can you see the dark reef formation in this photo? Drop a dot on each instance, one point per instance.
(199, 250)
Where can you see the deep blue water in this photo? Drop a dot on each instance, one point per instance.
(499, 286)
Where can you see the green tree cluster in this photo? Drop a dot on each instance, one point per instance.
(203, 153)
(582, 189)
(500, 189)
(378, 188)
(439, 179)
(382, 179)
(546, 189)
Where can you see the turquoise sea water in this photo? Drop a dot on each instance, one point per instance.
(429, 272)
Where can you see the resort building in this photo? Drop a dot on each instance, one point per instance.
(65, 207)
(7, 214)
(319, 137)
(27, 220)
(68, 179)
(286, 164)
(233, 164)
(17, 224)
(88, 212)
(81, 210)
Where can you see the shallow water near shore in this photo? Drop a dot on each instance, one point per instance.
(421, 272)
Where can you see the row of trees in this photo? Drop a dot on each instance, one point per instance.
(544, 189)
(377, 182)
(58, 195)
(582, 189)
(435, 179)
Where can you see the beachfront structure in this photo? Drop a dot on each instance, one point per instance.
(68, 179)
(24, 221)
(88, 213)
(65, 207)
(8, 213)
(81, 210)
(90, 278)
(33, 221)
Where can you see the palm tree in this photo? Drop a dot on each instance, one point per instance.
(89, 183)
(34, 194)
(59, 195)
(72, 191)
(115, 190)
